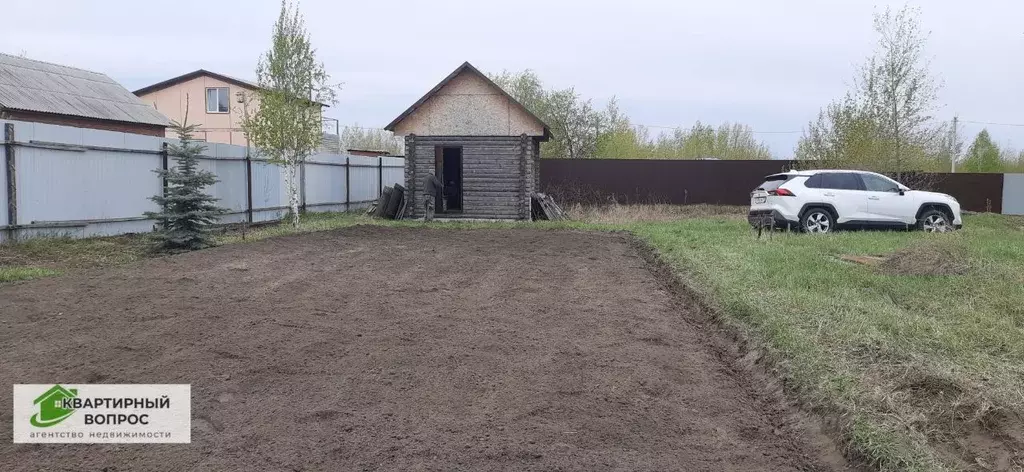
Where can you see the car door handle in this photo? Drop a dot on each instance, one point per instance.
(830, 194)
(873, 198)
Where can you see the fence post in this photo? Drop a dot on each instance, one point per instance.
(348, 186)
(380, 176)
(12, 181)
(248, 186)
(164, 165)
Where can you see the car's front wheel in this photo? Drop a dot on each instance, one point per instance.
(934, 221)
(817, 220)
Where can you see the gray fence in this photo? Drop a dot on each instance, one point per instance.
(1013, 194)
(80, 182)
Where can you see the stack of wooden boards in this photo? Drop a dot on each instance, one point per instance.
(391, 205)
(545, 208)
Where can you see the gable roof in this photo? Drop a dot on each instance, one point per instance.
(42, 87)
(466, 66)
(191, 75)
(248, 85)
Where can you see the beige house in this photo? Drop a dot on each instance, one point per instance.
(212, 100)
(215, 101)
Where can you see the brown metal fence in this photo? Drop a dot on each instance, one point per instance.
(718, 182)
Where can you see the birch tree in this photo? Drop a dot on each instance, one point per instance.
(285, 126)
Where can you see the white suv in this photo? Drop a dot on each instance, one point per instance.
(820, 201)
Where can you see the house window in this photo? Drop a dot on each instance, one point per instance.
(217, 100)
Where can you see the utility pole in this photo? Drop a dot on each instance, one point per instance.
(953, 151)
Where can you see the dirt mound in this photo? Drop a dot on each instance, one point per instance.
(943, 255)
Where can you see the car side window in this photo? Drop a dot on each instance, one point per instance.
(850, 181)
(829, 180)
(874, 183)
(814, 182)
(841, 181)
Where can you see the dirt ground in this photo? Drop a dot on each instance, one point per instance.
(376, 348)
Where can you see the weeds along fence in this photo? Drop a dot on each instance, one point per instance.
(67, 181)
(728, 182)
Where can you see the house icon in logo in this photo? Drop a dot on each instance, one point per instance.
(51, 410)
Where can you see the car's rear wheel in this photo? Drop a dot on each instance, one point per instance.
(817, 220)
(934, 221)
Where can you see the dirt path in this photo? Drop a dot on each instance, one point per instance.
(402, 349)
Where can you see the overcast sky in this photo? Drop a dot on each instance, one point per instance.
(769, 64)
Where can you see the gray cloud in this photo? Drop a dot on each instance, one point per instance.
(770, 64)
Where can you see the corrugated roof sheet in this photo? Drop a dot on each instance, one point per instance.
(50, 88)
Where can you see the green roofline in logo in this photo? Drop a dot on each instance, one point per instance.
(51, 411)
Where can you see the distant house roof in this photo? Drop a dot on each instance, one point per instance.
(201, 73)
(191, 75)
(466, 66)
(368, 152)
(42, 87)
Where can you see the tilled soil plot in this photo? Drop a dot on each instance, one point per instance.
(403, 349)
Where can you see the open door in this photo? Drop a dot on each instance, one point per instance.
(451, 176)
(439, 172)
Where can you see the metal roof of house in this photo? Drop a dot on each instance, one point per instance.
(43, 87)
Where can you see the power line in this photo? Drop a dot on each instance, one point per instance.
(991, 123)
(684, 127)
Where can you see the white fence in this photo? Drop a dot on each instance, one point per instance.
(83, 182)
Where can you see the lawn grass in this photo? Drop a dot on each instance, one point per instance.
(43, 257)
(11, 274)
(915, 365)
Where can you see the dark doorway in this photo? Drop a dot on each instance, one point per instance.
(448, 161)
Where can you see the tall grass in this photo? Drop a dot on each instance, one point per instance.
(914, 363)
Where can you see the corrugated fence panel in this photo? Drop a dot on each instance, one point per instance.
(394, 170)
(3, 182)
(83, 185)
(974, 191)
(655, 181)
(84, 182)
(1013, 194)
(325, 182)
(364, 178)
(269, 191)
(224, 161)
(720, 182)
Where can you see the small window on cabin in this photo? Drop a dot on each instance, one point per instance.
(217, 100)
